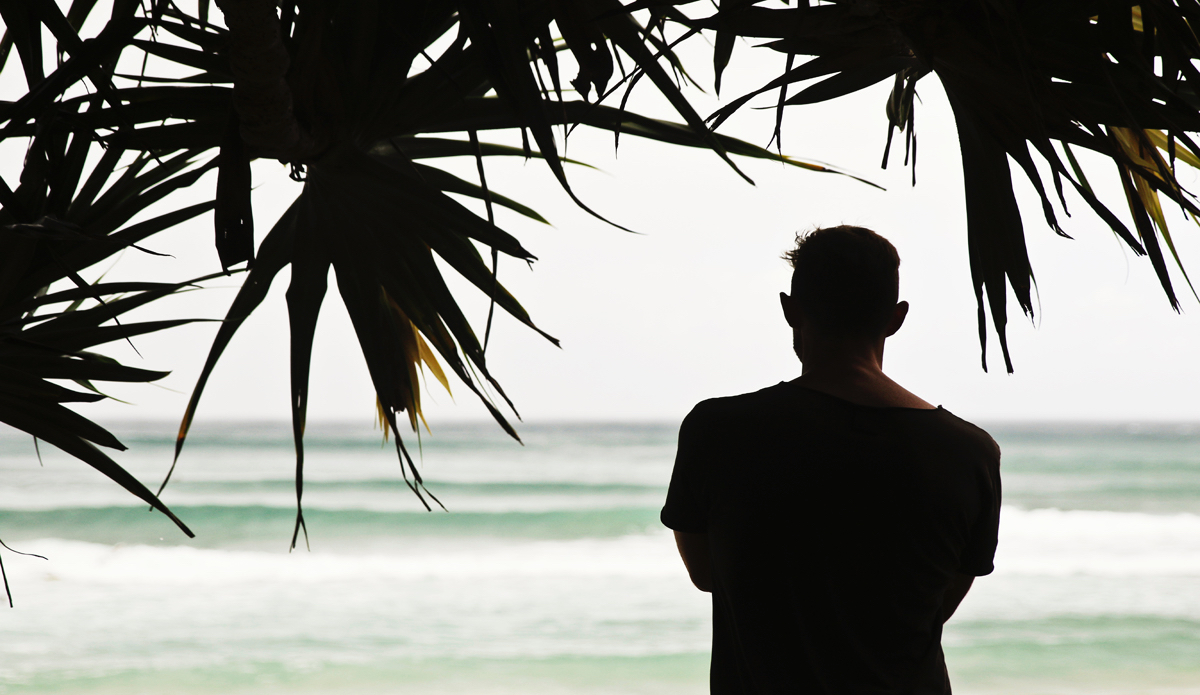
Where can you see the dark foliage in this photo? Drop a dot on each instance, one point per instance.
(1115, 77)
(360, 97)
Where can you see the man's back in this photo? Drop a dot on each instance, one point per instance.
(834, 530)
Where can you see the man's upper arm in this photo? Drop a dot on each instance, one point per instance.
(977, 558)
(687, 505)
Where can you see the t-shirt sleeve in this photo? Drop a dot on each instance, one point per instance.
(687, 503)
(977, 558)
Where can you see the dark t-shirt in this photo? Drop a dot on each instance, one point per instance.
(834, 529)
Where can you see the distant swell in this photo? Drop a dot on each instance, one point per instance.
(232, 525)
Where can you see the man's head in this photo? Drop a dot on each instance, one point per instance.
(845, 284)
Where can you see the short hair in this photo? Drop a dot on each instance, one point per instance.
(846, 279)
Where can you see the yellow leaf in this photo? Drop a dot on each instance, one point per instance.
(1182, 153)
(411, 395)
(1150, 200)
(1147, 158)
(381, 418)
(430, 359)
(184, 426)
(1137, 18)
(416, 355)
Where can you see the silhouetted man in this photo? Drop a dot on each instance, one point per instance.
(837, 519)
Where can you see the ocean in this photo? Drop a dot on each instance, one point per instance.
(549, 573)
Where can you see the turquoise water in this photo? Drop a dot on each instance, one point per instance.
(550, 573)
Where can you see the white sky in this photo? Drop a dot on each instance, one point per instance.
(652, 323)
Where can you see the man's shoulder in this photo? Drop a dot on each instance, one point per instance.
(786, 400)
(715, 424)
(965, 435)
(768, 398)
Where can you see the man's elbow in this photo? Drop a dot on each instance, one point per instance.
(955, 592)
(693, 548)
(701, 574)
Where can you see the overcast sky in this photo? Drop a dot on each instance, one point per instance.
(651, 323)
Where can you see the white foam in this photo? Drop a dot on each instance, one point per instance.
(120, 608)
(1042, 542)
(651, 555)
(1058, 543)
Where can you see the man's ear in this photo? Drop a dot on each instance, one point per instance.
(897, 320)
(790, 311)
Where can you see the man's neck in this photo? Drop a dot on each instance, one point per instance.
(853, 371)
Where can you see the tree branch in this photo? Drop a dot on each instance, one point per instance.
(261, 94)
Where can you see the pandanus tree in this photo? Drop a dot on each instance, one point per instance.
(363, 97)
(1115, 77)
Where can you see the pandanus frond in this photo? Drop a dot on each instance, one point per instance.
(361, 98)
(418, 355)
(75, 205)
(1113, 76)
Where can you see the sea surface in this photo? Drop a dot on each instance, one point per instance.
(549, 573)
